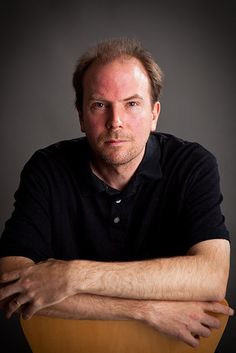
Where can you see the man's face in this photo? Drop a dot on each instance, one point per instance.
(118, 115)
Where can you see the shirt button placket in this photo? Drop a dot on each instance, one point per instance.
(116, 218)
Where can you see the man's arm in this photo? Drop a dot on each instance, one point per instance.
(186, 321)
(200, 275)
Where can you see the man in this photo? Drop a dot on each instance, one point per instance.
(122, 224)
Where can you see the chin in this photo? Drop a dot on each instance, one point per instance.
(117, 159)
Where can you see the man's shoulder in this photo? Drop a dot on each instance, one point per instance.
(64, 153)
(168, 140)
(71, 145)
(63, 148)
(178, 151)
(170, 143)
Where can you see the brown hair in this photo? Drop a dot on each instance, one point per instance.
(109, 50)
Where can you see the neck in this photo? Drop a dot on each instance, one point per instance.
(116, 176)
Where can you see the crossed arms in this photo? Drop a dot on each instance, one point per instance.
(172, 294)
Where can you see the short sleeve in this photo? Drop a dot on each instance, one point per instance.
(202, 217)
(28, 231)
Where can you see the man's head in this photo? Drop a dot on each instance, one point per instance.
(117, 86)
(109, 50)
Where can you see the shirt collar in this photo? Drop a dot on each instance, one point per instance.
(149, 169)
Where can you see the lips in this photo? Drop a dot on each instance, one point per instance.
(115, 141)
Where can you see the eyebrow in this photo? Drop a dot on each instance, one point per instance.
(135, 96)
(99, 98)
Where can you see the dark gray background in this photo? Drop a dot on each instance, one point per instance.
(193, 42)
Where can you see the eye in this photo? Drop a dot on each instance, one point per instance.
(132, 104)
(98, 105)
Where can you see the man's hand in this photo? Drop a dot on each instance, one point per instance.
(186, 321)
(35, 287)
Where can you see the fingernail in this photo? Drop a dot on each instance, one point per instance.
(231, 311)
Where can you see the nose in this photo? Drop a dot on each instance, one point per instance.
(114, 120)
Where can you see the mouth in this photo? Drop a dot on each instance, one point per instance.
(114, 142)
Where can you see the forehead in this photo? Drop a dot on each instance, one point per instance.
(123, 75)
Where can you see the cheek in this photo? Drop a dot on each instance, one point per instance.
(93, 128)
(142, 126)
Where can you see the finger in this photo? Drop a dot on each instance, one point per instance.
(191, 339)
(9, 277)
(211, 321)
(50, 259)
(9, 290)
(202, 331)
(29, 310)
(197, 329)
(4, 303)
(218, 308)
(15, 304)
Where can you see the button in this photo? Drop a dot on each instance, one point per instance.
(116, 220)
(118, 201)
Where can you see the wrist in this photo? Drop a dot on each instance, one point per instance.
(138, 310)
(76, 278)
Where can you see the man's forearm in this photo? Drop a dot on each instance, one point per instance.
(94, 307)
(199, 277)
(186, 321)
(143, 280)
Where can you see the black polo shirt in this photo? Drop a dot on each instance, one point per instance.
(62, 210)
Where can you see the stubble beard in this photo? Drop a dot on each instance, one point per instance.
(115, 156)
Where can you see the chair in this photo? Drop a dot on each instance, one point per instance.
(53, 335)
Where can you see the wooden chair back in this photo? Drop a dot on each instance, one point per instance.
(53, 335)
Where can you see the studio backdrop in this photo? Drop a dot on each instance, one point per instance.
(193, 42)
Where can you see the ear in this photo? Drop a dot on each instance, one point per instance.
(155, 115)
